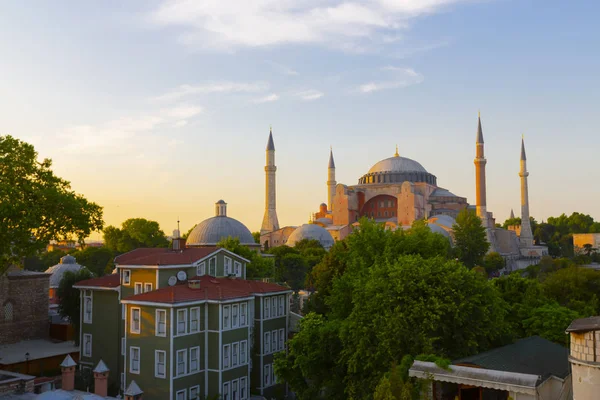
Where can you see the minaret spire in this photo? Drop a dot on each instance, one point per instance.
(270, 222)
(396, 153)
(512, 214)
(330, 181)
(480, 186)
(526, 237)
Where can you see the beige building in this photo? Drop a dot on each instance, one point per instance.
(585, 357)
(581, 239)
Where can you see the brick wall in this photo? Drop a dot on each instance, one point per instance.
(29, 297)
(582, 346)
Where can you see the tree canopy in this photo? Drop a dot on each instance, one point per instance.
(259, 266)
(134, 233)
(37, 206)
(470, 238)
(69, 298)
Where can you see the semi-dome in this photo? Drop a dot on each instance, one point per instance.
(397, 164)
(211, 231)
(311, 231)
(67, 263)
(442, 220)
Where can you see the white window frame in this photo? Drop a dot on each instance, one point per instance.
(243, 314)
(197, 351)
(132, 321)
(195, 310)
(281, 339)
(237, 268)
(274, 341)
(235, 314)
(88, 310)
(147, 287)
(243, 352)
(123, 312)
(227, 266)
(122, 380)
(266, 308)
(201, 269)
(138, 288)
(182, 392)
(267, 343)
(131, 360)
(281, 305)
(243, 389)
(123, 348)
(226, 394)
(182, 311)
(197, 396)
(185, 364)
(87, 352)
(226, 317)
(126, 277)
(157, 373)
(212, 266)
(267, 376)
(235, 352)
(157, 326)
(226, 356)
(274, 306)
(235, 390)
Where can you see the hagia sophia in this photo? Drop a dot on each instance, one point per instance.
(396, 191)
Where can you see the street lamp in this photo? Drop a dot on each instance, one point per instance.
(27, 363)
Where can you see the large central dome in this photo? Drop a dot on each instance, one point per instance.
(397, 164)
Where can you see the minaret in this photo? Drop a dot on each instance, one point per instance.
(512, 214)
(270, 222)
(480, 161)
(330, 181)
(526, 237)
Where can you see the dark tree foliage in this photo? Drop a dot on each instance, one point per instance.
(134, 233)
(36, 206)
(259, 266)
(470, 239)
(69, 298)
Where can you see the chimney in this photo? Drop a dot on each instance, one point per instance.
(178, 243)
(194, 283)
(101, 379)
(133, 392)
(67, 368)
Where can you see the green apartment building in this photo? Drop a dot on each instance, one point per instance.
(185, 325)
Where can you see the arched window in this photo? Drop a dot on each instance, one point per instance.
(8, 311)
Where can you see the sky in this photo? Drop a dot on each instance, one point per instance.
(157, 109)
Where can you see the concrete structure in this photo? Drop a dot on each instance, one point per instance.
(184, 323)
(270, 222)
(585, 357)
(530, 369)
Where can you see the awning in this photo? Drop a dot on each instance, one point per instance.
(486, 378)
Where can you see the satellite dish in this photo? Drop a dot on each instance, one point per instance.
(181, 275)
(172, 280)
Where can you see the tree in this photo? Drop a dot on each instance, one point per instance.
(293, 271)
(134, 233)
(550, 322)
(96, 259)
(470, 238)
(259, 267)
(589, 249)
(493, 262)
(576, 288)
(69, 302)
(43, 260)
(36, 206)
(256, 236)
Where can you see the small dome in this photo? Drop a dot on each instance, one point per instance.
(220, 202)
(323, 205)
(67, 263)
(210, 232)
(311, 231)
(397, 164)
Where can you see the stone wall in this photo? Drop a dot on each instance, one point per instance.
(28, 295)
(582, 346)
(26, 386)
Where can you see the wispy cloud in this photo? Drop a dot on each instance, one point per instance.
(267, 99)
(399, 78)
(230, 24)
(124, 134)
(211, 87)
(310, 94)
(282, 69)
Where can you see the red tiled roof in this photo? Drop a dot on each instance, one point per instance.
(210, 289)
(106, 281)
(164, 256)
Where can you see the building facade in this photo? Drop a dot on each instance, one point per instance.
(185, 324)
(585, 357)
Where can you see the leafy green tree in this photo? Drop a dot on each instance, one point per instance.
(69, 301)
(96, 259)
(576, 288)
(470, 238)
(588, 249)
(185, 235)
(550, 322)
(493, 261)
(259, 267)
(512, 222)
(414, 305)
(37, 206)
(293, 272)
(43, 260)
(256, 236)
(134, 233)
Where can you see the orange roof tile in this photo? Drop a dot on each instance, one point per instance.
(210, 289)
(164, 256)
(106, 281)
